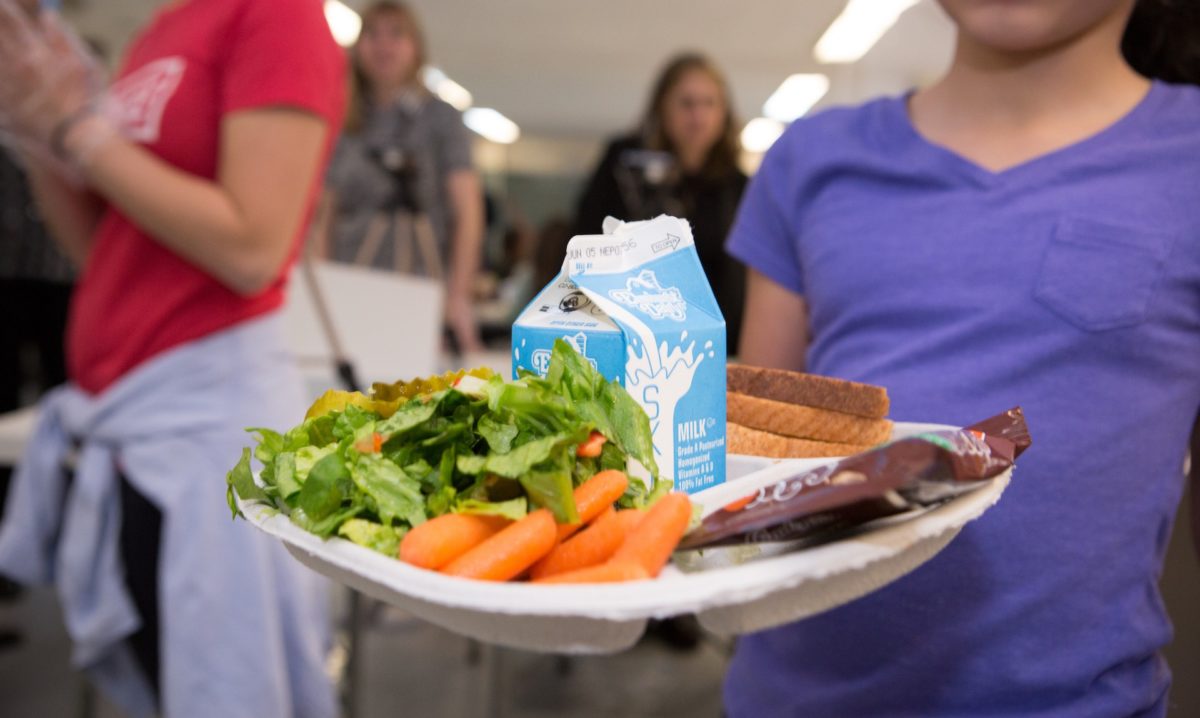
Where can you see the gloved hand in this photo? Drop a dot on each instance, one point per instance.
(48, 81)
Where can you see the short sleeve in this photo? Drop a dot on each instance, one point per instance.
(282, 53)
(763, 237)
(453, 142)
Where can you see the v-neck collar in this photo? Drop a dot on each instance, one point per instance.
(897, 108)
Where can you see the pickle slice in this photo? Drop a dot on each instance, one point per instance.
(384, 399)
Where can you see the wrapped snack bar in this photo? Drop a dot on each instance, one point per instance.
(906, 475)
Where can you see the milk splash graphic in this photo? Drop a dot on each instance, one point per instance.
(658, 382)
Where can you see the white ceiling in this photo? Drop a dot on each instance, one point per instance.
(584, 68)
(567, 68)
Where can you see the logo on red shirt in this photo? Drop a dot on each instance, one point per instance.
(139, 98)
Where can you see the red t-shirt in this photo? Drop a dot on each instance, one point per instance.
(195, 63)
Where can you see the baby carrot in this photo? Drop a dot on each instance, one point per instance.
(593, 496)
(439, 541)
(591, 447)
(509, 552)
(651, 542)
(591, 546)
(612, 572)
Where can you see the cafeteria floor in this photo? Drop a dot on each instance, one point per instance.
(410, 668)
(414, 669)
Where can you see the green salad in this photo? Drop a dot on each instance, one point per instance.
(370, 467)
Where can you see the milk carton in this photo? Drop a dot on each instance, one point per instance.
(636, 304)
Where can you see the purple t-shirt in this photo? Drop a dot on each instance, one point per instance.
(1069, 285)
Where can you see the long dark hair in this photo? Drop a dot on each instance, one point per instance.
(723, 156)
(1162, 40)
(360, 84)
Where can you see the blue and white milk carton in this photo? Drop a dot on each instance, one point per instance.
(635, 302)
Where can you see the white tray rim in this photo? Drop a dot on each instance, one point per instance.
(673, 592)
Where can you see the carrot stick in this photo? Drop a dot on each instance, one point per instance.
(439, 541)
(593, 496)
(591, 546)
(604, 573)
(651, 542)
(509, 552)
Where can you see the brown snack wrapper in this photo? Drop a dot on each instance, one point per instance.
(894, 478)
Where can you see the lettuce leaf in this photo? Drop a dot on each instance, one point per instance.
(377, 537)
(395, 493)
(438, 484)
(535, 409)
(516, 462)
(308, 456)
(285, 475)
(270, 443)
(319, 431)
(326, 488)
(498, 429)
(409, 416)
(549, 486)
(630, 426)
(350, 421)
(241, 480)
(606, 405)
(514, 509)
(326, 526)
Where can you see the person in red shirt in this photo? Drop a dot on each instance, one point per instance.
(183, 191)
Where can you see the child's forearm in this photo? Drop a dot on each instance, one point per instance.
(239, 228)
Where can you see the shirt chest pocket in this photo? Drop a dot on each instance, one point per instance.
(1101, 276)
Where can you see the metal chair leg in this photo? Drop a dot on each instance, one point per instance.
(474, 652)
(491, 676)
(87, 699)
(351, 641)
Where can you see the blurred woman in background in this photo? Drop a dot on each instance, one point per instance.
(402, 193)
(682, 161)
(182, 190)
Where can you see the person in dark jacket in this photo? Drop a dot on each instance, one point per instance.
(682, 161)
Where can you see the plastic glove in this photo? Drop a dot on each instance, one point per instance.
(47, 79)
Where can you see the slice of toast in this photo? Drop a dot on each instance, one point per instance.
(813, 390)
(744, 440)
(805, 422)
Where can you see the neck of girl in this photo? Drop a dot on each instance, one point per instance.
(1085, 75)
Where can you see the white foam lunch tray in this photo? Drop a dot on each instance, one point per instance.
(606, 618)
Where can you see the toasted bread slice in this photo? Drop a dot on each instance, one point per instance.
(805, 422)
(821, 392)
(744, 440)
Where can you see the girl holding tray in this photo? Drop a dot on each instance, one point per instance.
(182, 190)
(1021, 232)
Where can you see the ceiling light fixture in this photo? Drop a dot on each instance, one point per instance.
(856, 30)
(492, 125)
(344, 23)
(449, 90)
(760, 133)
(795, 96)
